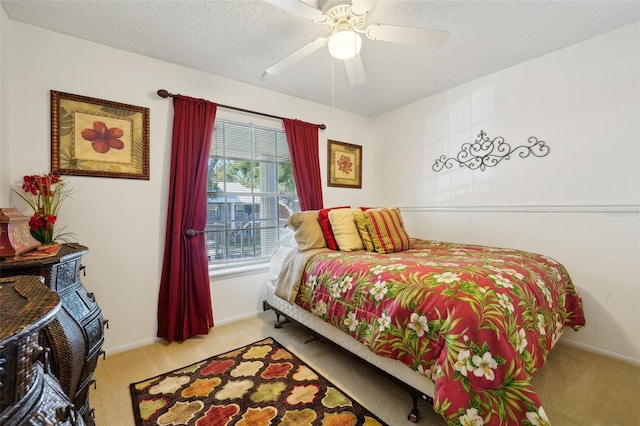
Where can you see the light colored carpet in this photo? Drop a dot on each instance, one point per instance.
(576, 387)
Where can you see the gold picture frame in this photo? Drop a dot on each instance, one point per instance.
(344, 164)
(95, 137)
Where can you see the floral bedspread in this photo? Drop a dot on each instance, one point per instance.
(479, 321)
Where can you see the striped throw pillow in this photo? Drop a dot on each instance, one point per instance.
(387, 231)
(361, 223)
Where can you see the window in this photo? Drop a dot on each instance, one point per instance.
(250, 193)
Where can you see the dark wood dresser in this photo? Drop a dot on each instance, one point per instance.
(76, 333)
(29, 395)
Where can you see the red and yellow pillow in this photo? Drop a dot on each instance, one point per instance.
(325, 225)
(386, 230)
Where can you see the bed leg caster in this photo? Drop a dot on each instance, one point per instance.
(414, 415)
(279, 322)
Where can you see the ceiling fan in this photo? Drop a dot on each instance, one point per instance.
(346, 21)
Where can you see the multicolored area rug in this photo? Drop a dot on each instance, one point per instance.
(258, 384)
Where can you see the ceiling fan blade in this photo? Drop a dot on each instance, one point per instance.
(355, 71)
(299, 8)
(296, 56)
(360, 7)
(407, 35)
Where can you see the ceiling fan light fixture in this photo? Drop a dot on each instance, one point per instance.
(344, 44)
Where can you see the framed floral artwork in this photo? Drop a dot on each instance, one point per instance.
(95, 137)
(344, 164)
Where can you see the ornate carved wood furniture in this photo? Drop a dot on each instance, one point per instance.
(28, 393)
(76, 334)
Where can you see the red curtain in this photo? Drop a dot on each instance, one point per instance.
(184, 303)
(302, 139)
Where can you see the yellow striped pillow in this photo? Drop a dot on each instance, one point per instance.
(361, 224)
(387, 231)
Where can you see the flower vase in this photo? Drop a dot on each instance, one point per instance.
(42, 227)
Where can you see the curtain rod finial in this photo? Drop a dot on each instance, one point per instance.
(163, 93)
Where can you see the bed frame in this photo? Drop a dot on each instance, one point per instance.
(418, 386)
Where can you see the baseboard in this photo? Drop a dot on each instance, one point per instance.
(149, 341)
(130, 346)
(599, 351)
(236, 318)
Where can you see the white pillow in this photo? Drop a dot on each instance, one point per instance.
(275, 265)
(343, 225)
(288, 238)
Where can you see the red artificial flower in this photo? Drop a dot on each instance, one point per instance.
(42, 222)
(103, 138)
(40, 185)
(36, 222)
(31, 185)
(44, 194)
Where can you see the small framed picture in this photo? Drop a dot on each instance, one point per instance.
(344, 164)
(95, 137)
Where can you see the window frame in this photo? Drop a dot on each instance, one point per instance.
(226, 266)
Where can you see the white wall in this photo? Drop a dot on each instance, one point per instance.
(580, 204)
(122, 221)
(4, 99)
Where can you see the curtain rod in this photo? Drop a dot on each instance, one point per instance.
(165, 94)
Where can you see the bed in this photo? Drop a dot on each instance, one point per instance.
(462, 326)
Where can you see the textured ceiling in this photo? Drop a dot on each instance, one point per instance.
(239, 39)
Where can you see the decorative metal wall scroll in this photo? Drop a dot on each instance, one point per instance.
(485, 152)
